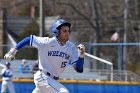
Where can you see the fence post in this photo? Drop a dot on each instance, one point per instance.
(120, 61)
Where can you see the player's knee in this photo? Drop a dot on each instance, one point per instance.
(36, 90)
(63, 90)
(3, 92)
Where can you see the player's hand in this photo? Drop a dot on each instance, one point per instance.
(11, 54)
(81, 50)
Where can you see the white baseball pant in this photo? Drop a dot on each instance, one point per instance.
(45, 84)
(9, 85)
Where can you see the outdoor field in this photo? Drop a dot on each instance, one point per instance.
(69, 46)
(84, 86)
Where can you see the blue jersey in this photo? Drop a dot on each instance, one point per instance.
(24, 69)
(6, 74)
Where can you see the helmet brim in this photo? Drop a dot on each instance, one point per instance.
(7, 64)
(64, 24)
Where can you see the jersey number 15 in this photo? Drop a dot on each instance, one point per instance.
(63, 64)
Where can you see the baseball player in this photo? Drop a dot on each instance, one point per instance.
(55, 54)
(7, 79)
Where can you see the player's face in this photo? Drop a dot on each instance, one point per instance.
(64, 34)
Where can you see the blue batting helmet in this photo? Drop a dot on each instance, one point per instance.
(57, 25)
(7, 64)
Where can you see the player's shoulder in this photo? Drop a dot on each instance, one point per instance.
(45, 39)
(38, 37)
(70, 44)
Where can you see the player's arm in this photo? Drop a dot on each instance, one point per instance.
(32, 41)
(6, 74)
(78, 65)
(11, 54)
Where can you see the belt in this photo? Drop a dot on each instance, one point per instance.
(6, 80)
(49, 74)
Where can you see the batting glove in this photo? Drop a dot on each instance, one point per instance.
(11, 54)
(81, 50)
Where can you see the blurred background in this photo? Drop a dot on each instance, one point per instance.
(110, 29)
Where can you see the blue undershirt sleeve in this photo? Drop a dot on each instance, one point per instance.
(23, 43)
(80, 64)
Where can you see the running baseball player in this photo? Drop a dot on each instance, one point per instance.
(54, 55)
(7, 79)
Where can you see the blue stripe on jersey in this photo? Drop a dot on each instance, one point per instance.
(23, 43)
(31, 40)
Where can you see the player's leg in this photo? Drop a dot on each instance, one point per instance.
(11, 87)
(43, 89)
(4, 87)
(46, 84)
(42, 86)
(59, 88)
(46, 89)
(36, 90)
(54, 87)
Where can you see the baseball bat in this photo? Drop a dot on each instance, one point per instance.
(97, 58)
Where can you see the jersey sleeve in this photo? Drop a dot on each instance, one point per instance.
(6, 73)
(38, 42)
(74, 56)
(2, 71)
